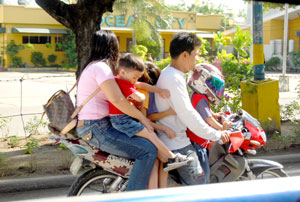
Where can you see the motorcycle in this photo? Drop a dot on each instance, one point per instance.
(231, 162)
(228, 162)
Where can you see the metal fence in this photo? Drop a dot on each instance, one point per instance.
(20, 94)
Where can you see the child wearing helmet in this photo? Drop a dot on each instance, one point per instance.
(206, 82)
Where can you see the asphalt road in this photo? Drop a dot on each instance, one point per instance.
(292, 169)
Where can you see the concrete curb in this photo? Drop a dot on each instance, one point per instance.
(283, 159)
(27, 184)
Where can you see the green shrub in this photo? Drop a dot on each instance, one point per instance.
(234, 72)
(13, 141)
(140, 50)
(38, 59)
(163, 62)
(12, 49)
(52, 58)
(55, 65)
(2, 62)
(289, 111)
(295, 58)
(48, 45)
(31, 145)
(68, 45)
(153, 47)
(273, 62)
(17, 61)
(29, 45)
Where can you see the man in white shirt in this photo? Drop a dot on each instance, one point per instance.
(184, 53)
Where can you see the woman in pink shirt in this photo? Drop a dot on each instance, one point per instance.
(97, 72)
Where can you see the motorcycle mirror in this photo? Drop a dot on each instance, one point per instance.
(240, 113)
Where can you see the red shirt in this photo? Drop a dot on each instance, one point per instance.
(127, 89)
(194, 138)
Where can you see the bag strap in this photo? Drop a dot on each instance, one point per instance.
(73, 123)
(78, 109)
(75, 84)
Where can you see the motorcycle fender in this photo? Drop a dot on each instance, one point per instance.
(227, 169)
(258, 166)
(76, 165)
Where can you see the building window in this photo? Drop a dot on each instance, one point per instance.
(36, 39)
(129, 45)
(58, 43)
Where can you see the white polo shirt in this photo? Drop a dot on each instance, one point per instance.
(187, 117)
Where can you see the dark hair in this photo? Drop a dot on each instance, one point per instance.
(153, 72)
(183, 41)
(145, 77)
(131, 61)
(104, 45)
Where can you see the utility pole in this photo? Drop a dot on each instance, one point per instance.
(285, 39)
(260, 96)
(258, 45)
(283, 79)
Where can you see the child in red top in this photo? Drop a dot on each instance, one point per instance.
(207, 84)
(130, 68)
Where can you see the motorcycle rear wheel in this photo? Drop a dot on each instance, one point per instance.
(95, 181)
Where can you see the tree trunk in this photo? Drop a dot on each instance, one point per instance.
(83, 18)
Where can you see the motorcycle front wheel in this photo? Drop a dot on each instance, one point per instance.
(272, 173)
(266, 174)
(95, 181)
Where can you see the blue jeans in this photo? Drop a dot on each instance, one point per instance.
(192, 173)
(203, 158)
(105, 137)
(126, 124)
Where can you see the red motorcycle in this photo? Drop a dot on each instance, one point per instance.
(228, 162)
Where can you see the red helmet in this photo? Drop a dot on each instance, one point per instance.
(208, 80)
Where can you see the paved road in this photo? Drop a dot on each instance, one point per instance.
(293, 169)
(37, 88)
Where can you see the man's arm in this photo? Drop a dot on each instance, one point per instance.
(182, 105)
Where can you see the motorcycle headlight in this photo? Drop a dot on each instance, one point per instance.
(263, 135)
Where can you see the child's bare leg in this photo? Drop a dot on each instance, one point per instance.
(153, 180)
(162, 176)
(152, 137)
(161, 157)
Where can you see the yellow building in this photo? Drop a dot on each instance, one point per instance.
(273, 29)
(33, 25)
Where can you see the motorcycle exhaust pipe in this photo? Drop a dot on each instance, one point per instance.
(115, 183)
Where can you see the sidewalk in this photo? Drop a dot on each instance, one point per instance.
(48, 182)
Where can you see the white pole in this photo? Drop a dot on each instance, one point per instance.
(285, 39)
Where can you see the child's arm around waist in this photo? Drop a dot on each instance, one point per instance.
(146, 87)
(138, 96)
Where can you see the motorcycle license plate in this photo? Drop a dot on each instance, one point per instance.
(76, 165)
